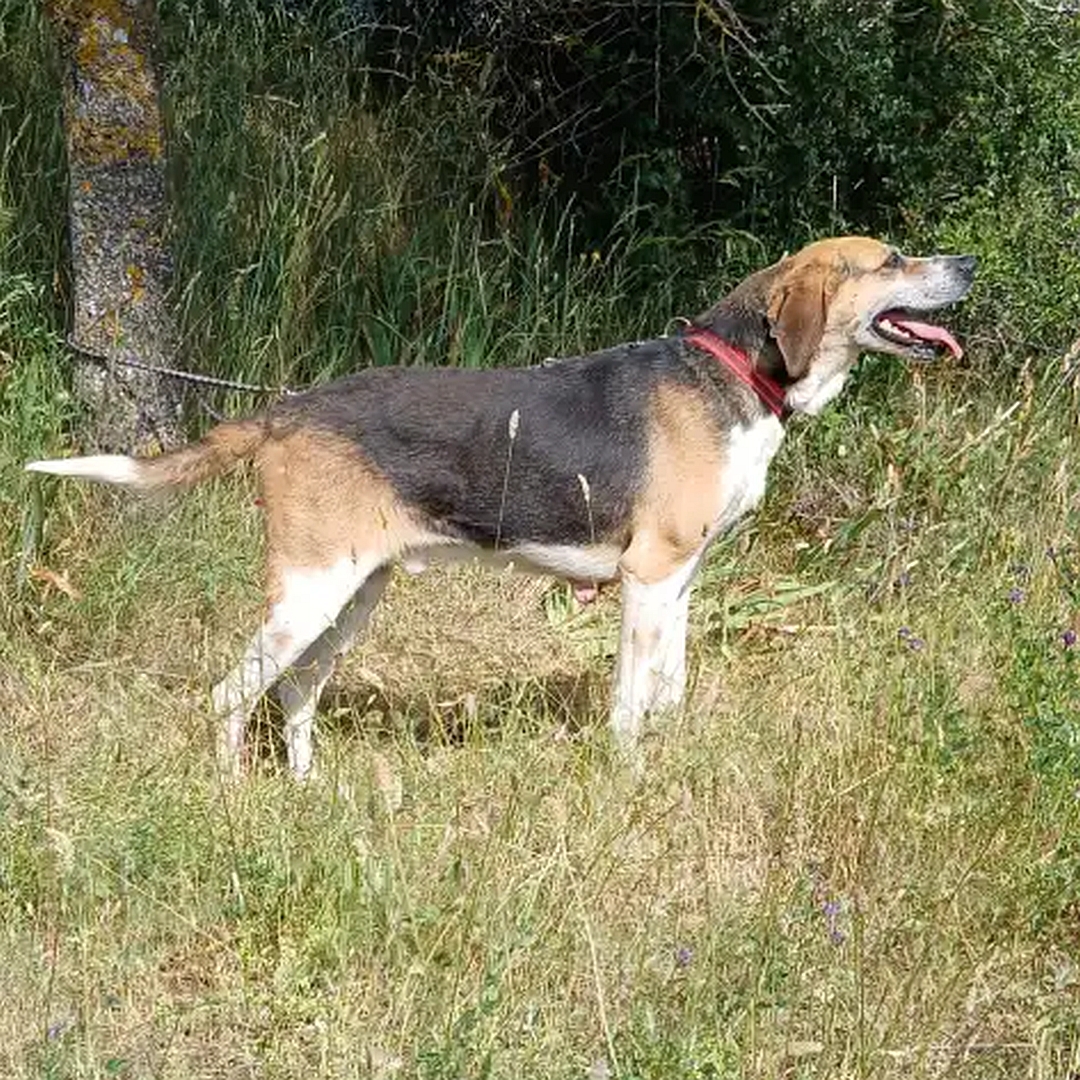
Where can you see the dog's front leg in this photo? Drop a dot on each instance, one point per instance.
(650, 670)
(671, 674)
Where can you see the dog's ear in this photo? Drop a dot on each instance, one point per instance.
(798, 307)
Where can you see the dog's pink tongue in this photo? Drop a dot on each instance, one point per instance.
(928, 332)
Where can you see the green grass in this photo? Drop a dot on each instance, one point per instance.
(849, 858)
(853, 855)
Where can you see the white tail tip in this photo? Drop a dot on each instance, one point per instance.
(104, 468)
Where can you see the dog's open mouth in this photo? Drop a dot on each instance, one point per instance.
(921, 339)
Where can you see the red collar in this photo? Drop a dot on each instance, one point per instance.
(738, 363)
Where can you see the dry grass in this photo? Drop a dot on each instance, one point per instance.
(854, 856)
(841, 861)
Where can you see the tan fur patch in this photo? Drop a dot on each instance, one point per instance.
(858, 254)
(218, 451)
(324, 502)
(819, 293)
(866, 289)
(817, 286)
(681, 497)
(797, 310)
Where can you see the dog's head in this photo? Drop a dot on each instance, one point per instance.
(812, 314)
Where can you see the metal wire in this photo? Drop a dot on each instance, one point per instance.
(194, 377)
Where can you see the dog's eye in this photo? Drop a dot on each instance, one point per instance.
(894, 261)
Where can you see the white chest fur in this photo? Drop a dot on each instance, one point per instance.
(749, 451)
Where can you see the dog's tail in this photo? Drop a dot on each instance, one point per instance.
(223, 447)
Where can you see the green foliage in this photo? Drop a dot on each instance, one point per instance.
(33, 196)
(782, 121)
(1042, 679)
(854, 856)
(489, 183)
(1027, 303)
(317, 228)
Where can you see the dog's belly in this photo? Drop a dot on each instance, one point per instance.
(599, 562)
(595, 563)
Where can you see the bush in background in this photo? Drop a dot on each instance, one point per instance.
(781, 121)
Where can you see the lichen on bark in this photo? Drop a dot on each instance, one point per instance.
(120, 264)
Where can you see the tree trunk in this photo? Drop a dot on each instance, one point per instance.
(118, 220)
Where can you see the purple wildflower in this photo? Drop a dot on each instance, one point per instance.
(910, 639)
(57, 1029)
(832, 911)
(1016, 595)
(1068, 638)
(1020, 571)
(903, 579)
(684, 955)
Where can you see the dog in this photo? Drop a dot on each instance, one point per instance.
(621, 464)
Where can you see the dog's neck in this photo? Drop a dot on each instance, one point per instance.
(739, 364)
(740, 320)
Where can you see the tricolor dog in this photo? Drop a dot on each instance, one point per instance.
(623, 464)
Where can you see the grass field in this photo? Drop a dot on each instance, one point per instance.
(855, 854)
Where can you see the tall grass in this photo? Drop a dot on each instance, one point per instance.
(853, 855)
(319, 226)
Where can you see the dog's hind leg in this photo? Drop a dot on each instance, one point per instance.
(299, 690)
(310, 600)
